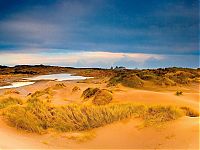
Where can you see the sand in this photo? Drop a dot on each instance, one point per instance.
(180, 134)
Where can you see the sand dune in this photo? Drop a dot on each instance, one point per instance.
(182, 133)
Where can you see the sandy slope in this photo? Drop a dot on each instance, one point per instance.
(150, 97)
(182, 133)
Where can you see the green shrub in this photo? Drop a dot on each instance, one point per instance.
(102, 97)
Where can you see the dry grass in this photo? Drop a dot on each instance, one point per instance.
(7, 101)
(89, 92)
(102, 97)
(47, 91)
(11, 92)
(38, 116)
(126, 79)
(190, 112)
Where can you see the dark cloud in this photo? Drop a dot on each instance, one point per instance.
(159, 27)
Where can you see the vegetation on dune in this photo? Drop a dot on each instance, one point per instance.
(156, 115)
(164, 81)
(102, 97)
(47, 91)
(11, 92)
(5, 102)
(75, 89)
(99, 96)
(59, 86)
(178, 93)
(128, 77)
(189, 112)
(160, 77)
(129, 80)
(89, 92)
(38, 115)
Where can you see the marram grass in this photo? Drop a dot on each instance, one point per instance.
(38, 116)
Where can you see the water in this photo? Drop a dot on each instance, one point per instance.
(16, 84)
(57, 77)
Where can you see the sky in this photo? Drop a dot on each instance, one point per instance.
(100, 33)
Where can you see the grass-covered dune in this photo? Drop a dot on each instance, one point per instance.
(36, 115)
(134, 78)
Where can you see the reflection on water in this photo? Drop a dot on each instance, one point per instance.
(57, 77)
(16, 84)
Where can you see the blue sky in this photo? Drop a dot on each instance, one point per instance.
(100, 33)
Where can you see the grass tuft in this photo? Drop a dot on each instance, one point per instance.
(75, 89)
(5, 102)
(11, 92)
(179, 93)
(190, 112)
(59, 86)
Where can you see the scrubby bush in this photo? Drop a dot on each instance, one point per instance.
(181, 77)
(89, 92)
(75, 89)
(178, 93)
(102, 97)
